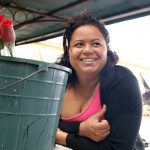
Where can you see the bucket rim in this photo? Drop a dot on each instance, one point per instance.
(36, 62)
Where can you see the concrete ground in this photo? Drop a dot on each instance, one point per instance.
(145, 129)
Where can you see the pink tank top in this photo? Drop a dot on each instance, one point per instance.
(93, 108)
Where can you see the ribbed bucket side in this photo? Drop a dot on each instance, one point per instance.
(30, 103)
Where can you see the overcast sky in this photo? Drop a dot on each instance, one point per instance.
(131, 40)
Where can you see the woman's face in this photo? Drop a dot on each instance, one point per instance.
(88, 50)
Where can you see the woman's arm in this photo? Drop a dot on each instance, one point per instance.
(61, 137)
(124, 105)
(97, 130)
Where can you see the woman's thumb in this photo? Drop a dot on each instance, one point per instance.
(101, 112)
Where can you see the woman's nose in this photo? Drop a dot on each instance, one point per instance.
(88, 48)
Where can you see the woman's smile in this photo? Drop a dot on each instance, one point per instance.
(88, 59)
(87, 62)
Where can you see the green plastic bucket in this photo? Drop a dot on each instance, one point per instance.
(31, 94)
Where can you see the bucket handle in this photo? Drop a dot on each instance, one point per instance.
(7, 86)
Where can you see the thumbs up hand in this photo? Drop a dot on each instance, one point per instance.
(95, 129)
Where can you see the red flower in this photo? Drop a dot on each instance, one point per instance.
(2, 16)
(7, 31)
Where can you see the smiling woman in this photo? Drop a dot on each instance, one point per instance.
(87, 53)
(98, 92)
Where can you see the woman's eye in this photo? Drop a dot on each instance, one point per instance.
(78, 45)
(96, 44)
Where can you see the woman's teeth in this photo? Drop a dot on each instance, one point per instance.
(88, 60)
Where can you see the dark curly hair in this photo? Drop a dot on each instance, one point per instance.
(81, 19)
